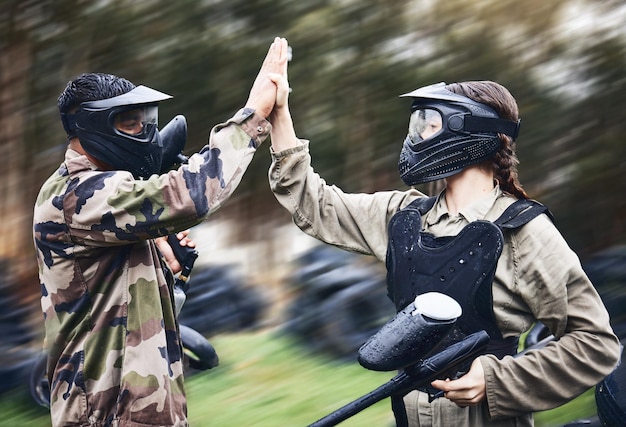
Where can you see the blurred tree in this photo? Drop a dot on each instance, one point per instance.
(593, 162)
(17, 47)
(352, 58)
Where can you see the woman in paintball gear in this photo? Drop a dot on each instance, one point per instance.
(481, 241)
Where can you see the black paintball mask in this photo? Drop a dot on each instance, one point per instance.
(448, 132)
(123, 132)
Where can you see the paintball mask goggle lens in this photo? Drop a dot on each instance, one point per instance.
(137, 121)
(424, 123)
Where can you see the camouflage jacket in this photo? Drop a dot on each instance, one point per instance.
(115, 358)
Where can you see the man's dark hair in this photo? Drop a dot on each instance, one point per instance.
(91, 87)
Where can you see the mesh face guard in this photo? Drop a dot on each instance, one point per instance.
(121, 131)
(448, 132)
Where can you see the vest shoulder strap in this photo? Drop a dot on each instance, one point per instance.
(422, 204)
(521, 212)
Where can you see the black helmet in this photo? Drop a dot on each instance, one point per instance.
(448, 132)
(121, 131)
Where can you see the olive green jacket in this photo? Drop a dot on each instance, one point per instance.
(115, 357)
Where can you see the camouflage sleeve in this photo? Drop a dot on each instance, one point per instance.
(113, 207)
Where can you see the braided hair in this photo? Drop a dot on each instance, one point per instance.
(504, 162)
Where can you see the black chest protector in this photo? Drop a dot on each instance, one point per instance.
(461, 266)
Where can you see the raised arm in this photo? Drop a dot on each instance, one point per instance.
(282, 134)
(262, 96)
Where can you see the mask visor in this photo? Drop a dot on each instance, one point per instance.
(136, 122)
(424, 123)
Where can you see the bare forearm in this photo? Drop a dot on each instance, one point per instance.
(282, 134)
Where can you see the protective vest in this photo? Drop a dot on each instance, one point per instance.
(461, 266)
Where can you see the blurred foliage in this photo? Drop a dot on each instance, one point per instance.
(563, 60)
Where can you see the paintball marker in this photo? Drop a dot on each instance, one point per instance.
(186, 256)
(174, 137)
(403, 342)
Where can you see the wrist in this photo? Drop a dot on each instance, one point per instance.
(257, 110)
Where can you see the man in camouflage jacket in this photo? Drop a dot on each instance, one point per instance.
(115, 356)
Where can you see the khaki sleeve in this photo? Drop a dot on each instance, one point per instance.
(553, 284)
(355, 222)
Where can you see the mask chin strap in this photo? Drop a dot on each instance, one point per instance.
(489, 124)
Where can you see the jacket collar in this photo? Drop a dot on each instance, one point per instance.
(473, 212)
(77, 162)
